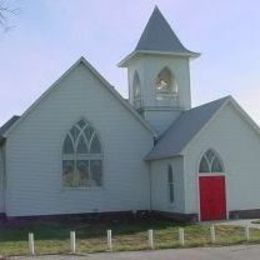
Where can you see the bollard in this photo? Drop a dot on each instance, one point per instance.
(150, 239)
(181, 236)
(212, 234)
(31, 243)
(247, 233)
(109, 240)
(73, 242)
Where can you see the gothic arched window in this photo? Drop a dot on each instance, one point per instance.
(166, 83)
(82, 156)
(211, 163)
(136, 89)
(171, 184)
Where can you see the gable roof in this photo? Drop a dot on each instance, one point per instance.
(4, 128)
(159, 38)
(106, 84)
(8, 124)
(183, 130)
(189, 124)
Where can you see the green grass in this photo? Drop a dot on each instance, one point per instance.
(53, 237)
(257, 221)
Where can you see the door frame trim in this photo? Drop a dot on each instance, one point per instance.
(198, 191)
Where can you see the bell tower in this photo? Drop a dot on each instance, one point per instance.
(159, 74)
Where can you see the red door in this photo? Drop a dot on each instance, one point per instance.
(212, 197)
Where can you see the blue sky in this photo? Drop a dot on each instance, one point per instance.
(49, 36)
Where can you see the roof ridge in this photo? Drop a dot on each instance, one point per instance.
(104, 82)
(192, 110)
(184, 129)
(210, 102)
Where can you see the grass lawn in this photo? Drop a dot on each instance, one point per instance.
(53, 237)
(257, 221)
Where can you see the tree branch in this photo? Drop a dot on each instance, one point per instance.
(5, 12)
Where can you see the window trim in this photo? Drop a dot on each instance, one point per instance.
(170, 184)
(210, 164)
(77, 157)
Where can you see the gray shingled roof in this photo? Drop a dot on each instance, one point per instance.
(182, 131)
(7, 125)
(159, 36)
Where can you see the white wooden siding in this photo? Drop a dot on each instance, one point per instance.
(34, 159)
(1, 181)
(148, 67)
(239, 147)
(160, 192)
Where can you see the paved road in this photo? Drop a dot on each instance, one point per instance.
(249, 252)
(240, 222)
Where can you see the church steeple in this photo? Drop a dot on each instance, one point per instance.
(159, 73)
(159, 36)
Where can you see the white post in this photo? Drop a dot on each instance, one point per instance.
(150, 239)
(109, 240)
(73, 242)
(181, 236)
(247, 233)
(31, 243)
(212, 234)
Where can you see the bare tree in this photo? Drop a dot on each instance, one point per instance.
(5, 12)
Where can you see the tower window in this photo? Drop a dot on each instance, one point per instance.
(136, 90)
(166, 83)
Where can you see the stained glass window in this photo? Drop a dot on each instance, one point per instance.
(82, 157)
(211, 163)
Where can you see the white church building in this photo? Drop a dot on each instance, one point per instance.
(81, 148)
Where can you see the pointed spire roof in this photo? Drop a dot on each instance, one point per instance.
(158, 37)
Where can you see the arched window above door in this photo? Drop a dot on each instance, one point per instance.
(211, 163)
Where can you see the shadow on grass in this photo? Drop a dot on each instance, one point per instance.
(85, 230)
